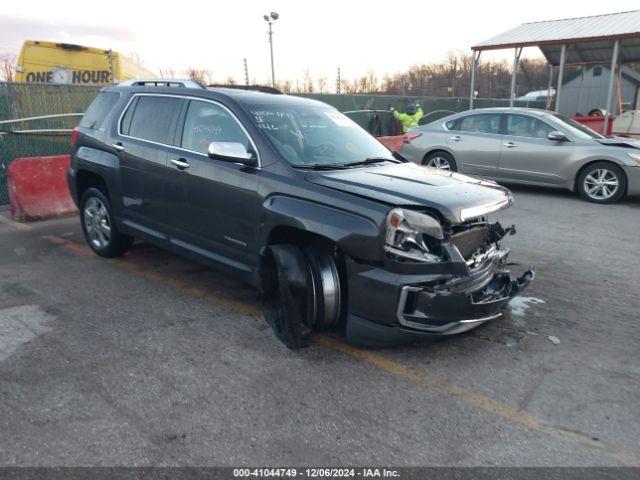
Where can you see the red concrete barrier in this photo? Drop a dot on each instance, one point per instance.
(38, 187)
(393, 143)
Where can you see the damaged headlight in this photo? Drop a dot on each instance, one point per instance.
(405, 235)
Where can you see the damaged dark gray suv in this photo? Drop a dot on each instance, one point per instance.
(292, 196)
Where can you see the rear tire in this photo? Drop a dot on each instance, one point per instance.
(99, 228)
(597, 112)
(602, 182)
(441, 161)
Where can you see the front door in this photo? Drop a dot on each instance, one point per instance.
(213, 205)
(475, 143)
(528, 155)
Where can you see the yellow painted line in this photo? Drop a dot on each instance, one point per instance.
(159, 278)
(14, 224)
(186, 288)
(381, 362)
(475, 399)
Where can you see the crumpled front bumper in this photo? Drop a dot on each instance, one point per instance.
(450, 313)
(391, 307)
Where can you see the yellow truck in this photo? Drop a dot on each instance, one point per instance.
(65, 63)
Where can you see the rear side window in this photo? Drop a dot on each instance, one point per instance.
(152, 118)
(99, 109)
(483, 123)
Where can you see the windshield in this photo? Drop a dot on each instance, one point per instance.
(577, 128)
(308, 136)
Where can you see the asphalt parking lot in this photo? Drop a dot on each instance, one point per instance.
(154, 360)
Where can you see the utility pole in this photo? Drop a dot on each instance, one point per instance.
(246, 71)
(272, 17)
(339, 83)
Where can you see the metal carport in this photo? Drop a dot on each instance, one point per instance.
(599, 39)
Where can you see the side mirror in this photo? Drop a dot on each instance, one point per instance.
(232, 152)
(557, 136)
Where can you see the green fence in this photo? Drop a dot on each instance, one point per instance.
(434, 107)
(21, 100)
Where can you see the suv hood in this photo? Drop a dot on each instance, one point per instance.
(457, 197)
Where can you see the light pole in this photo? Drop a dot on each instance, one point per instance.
(272, 17)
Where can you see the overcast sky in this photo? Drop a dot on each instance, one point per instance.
(385, 36)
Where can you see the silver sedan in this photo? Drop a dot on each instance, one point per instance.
(528, 146)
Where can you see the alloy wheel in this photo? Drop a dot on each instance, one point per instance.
(601, 184)
(96, 222)
(440, 163)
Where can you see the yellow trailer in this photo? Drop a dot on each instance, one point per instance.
(65, 63)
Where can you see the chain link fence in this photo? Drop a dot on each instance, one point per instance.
(372, 112)
(22, 100)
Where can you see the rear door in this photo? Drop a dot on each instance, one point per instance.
(475, 143)
(528, 155)
(145, 132)
(213, 205)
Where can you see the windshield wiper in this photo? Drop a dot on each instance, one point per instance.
(337, 166)
(370, 160)
(320, 166)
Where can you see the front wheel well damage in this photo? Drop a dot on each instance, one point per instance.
(293, 290)
(296, 236)
(587, 165)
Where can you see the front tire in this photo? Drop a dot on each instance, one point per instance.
(301, 292)
(98, 225)
(441, 161)
(602, 182)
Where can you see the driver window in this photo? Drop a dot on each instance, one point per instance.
(207, 122)
(526, 126)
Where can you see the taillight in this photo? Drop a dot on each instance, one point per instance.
(74, 137)
(407, 138)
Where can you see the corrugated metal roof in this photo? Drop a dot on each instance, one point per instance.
(599, 51)
(569, 30)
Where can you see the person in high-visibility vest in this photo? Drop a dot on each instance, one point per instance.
(410, 118)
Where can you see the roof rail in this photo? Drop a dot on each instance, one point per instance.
(257, 88)
(161, 82)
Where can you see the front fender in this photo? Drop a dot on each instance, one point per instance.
(357, 236)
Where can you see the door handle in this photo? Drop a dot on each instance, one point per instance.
(118, 146)
(181, 163)
(456, 138)
(510, 145)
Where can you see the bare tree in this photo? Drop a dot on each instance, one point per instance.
(167, 72)
(136, 57)
(433, 79)
(307, 82)
(7, 67)
(322, 84)
(285, 86)
(202, 76)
